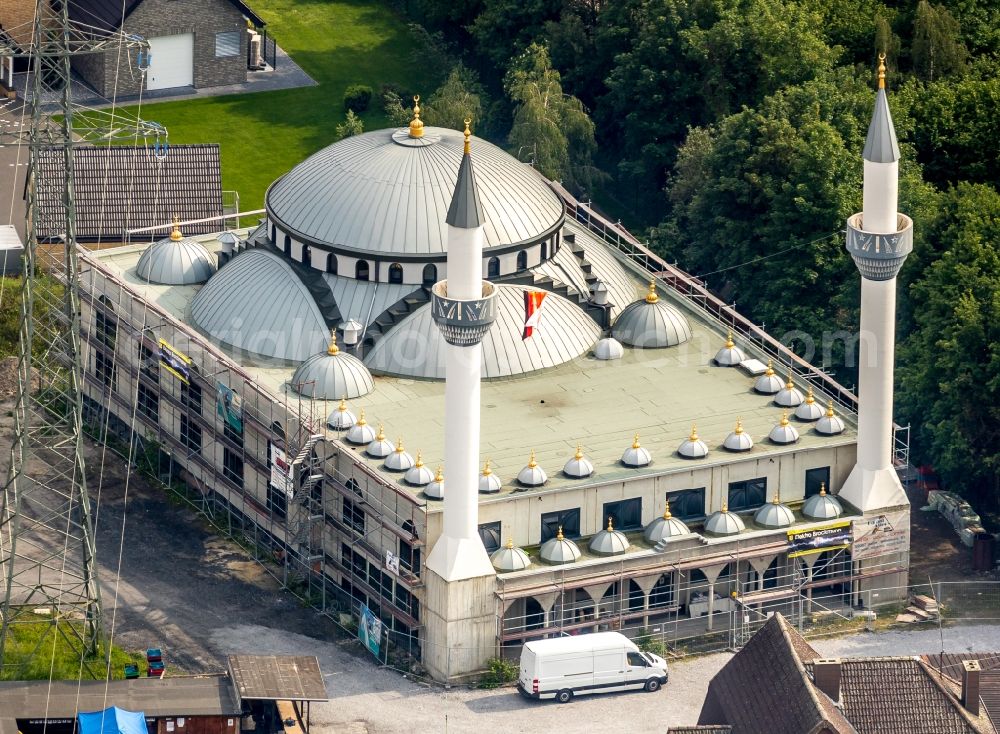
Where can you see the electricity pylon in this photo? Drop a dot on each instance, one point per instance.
(47, 547)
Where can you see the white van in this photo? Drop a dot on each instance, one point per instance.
(564, 667)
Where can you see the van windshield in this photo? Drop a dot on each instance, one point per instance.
(649, 658)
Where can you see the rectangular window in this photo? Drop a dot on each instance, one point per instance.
(105, 370)
(353, 516)
(489, 533)
(232, 467)
(227, 43)
(148, 403)
(404, 599)
(624, 514)
(688, 504)
(107, 325)
(149, 362)
(232, 434)
(409, 557)
(190, 434)
(747, 495)
(277, 502)
(568, 520)
(191, 397)
(815, 478)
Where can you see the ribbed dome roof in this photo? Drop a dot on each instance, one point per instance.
(784, 432)
(738, 440)
(773, 514)
(176, 260)
(435, 490)
(609, 542)
(361, 433)
(415, 347)
(651, 323)
(250, 303)
(768, 383)
(608, 348)
(693, 447)
(399, 459)
(830, 424)
(379, 448)
(665, 527)
(724, 522)
(385, 192)
(730, 355)
(510, 558)
(559, 550)
(822, 506)
(419, 474)
(636, 455)
(489, 483)
(578, 466)
(532, 475)
(789, 396)
(341, 419)
(809, 409)
(332, 374)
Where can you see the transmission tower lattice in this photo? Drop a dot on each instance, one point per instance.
(47, 545)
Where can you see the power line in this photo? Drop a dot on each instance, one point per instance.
(838, 233)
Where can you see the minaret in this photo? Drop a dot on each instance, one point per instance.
(464, 308)
(879, 239)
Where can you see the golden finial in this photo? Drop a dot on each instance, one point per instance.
(611, 527)
(468, 134)
(776, 500)
(666, 510)
(510, 544)
(790, 384)
(579, 452)
(694, 433)
(829, 409)
(739, 426)
(486, 468)
(729, 339)
(420, 460)
(531, 460)
(784, 418)
(651, 296)
(342, 408)
(333, 348)
(361, 419)
(635, 442)
(770, 368)
(380, 436)
(559, 534)
(822, 489)
(416, 124)
(399, 445)
(439, 474)
(881, 71)
(175, 233)
(809, 396)
(725, 507)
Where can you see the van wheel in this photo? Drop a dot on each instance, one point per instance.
(652, 685)
(564, 696)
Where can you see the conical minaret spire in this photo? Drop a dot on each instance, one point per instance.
(879, 239)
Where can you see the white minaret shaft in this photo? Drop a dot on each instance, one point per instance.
(878, 240)
(463, 312)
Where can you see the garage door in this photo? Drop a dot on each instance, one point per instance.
(171, 62)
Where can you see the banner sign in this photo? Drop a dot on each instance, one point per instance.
(175, 362)
(392, 562)
(281, 471)
(230, 407)
(370, 631)
(816, 540)
(882, 535)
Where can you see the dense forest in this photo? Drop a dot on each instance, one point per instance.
(728, 133)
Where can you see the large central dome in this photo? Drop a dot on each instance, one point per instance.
(384, 192)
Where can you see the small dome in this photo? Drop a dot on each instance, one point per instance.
(489, 483)
(693, 447)
(822, 506)
(341, 419)
(532, 475)
(608, 348)
(176, 260)
(609, 542)
(636, 455)
(830, 424)
(559, 550)
(784, 432)
(808, 409)
(730, 355)
(663, 528)
(724, 522)
(360, 434)
(738, 440)
(768, 383)
(651, 323)
(398, 460)
(379, 448)
(510, 558)
(789, 396)
(435, 490)
(332, 375)
(418, 475)
(579, 466)
(774, 514)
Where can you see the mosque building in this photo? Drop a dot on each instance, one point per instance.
(441, 393)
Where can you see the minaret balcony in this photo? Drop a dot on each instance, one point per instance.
(879, 256)
(463, 323)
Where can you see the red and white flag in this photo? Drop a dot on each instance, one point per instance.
(532, 311)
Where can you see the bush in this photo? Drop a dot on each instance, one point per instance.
(352, 125)
(499, 672)
(357, 97)
(648, 643)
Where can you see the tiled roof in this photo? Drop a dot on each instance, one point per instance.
(109, 14)
(989, 679)
(701, 729)
(765, 688)
(125, 187)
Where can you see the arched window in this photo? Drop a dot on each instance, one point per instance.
(493, 268)
(331, 263)
(361, 270)
(395, 273)
(430, 274)
(288, 245)
(545, 251)
(522, 260)
(306, 256)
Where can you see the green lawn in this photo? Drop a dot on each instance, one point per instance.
(338, 43)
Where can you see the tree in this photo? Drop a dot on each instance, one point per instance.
(352, 125)
(949, 366)
(550, 127)
(937, 48)
(458, 98)
(392, 105)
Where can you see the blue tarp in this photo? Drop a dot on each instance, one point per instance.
(113, 721)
